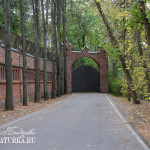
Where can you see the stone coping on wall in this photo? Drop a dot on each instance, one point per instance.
(17, 51)
(21, 82)
(82, 52)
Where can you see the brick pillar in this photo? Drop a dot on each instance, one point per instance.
(103, 70)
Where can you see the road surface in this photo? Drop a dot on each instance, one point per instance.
(84, 121)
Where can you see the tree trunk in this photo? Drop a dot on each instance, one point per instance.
(143, 61)
(121, 58)
(24, 47)
(60, 48)
(54, 47)
(145, 20)
(83, 40)
(129, 80)
(53, 93)
(45, 24)
(35, 4)
(62, 75)
(8, 59)
(129, 93)
(65, 50)
(62, 58)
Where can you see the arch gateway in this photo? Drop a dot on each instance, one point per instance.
(99, 57)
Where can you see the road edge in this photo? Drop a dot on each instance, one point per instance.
(130, 127)
(34, 113)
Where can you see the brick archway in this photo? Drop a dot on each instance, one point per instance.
(99, 57)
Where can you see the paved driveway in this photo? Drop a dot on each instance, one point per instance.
(84, 121)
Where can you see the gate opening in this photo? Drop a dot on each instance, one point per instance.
(85, 75)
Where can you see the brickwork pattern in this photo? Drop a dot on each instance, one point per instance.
(99, 57)
(17, 63)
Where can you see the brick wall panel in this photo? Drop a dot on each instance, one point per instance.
(17, 84)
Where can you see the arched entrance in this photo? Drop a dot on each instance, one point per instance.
(99, 57)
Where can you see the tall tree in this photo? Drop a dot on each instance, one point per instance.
(147, 29)
(121, 58)
(144, 64)
(8, 59)
(64, 47)
(35, 5)
(45, 25)
(54, 47)
(24, 47)
(145, 19)
(61, 56)
(59, 47)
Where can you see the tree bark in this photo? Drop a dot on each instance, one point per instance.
(143, 61)
(62, 77)
(45, 25)
(24, 47)
(8, 59)
(65, 50)
(121, 58)
(59, 46)
(62, 57)
(54, 47)
(145, 20)
(83, 40)
(129, 80)
(35, 4)
(129, 94)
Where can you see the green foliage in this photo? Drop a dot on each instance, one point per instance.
(1, 13)
(14, 16)
(114, 76)
(83, 25)
(85, 61)
(126, 18)
(114, 85)
(86, 28)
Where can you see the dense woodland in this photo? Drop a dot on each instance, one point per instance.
(121, 27)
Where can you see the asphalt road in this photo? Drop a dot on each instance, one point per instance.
(88, 121)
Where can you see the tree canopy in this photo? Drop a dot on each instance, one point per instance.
(129, 25)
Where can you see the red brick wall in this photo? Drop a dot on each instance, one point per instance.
(17, 76)
(99, 57)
